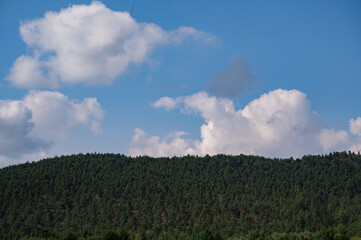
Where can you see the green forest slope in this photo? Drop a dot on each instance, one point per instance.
(226, 195)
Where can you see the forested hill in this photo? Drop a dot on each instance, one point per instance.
(226, 195)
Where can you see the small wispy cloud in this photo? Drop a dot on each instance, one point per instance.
(167, 103)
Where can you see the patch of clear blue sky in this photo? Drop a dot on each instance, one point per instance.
(312, 46)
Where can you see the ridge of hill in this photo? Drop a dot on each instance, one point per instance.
(227, 195)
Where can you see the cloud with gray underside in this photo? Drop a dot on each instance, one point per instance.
(15, 126)
(31, 126)
(235, 79)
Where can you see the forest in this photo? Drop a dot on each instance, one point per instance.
(113, 196)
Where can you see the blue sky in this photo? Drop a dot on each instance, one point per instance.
(297, 62)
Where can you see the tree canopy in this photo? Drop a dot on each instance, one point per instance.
(222, 196)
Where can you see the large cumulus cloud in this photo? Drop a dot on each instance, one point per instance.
(280, 123)
(88, 44)
(30, 126)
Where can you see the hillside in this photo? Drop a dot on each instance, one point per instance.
(227, 195)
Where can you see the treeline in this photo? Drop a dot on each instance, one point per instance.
(189, 197)
(331, 233)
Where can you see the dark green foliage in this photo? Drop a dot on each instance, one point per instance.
(205, 235)
(124, 235)
(113, 235)
(71, 236)
(80, 196)
(47, 233)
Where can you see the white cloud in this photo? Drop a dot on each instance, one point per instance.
(24, 157)
(356, 147)
(332, 140)
(54, 115)
(27, 72)
(29, 127)
(172, 145)
(278, 124)
(88, 44)
(183, 33)
(355, 128)
(167, 103)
